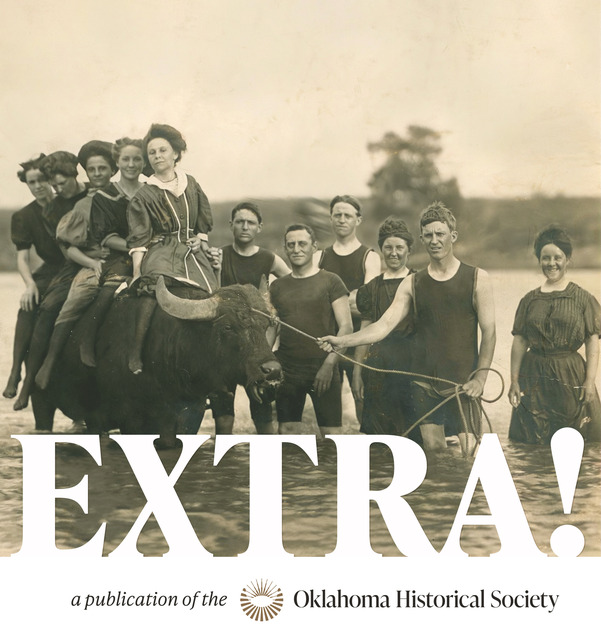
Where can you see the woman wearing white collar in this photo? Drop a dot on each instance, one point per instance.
(169, 219)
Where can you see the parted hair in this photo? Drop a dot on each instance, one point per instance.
(555, 235)
(63, 163)
(437, 212)
(32, 163)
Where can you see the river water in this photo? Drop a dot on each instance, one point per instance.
(216, 498)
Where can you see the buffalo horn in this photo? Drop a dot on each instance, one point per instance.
(191, 309)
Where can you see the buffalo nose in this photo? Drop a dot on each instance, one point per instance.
(271, 369)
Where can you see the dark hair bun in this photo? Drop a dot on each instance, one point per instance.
(553, 234)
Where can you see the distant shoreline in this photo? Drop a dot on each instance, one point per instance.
(493, 233)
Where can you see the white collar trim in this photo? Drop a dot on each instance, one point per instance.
(177, 189)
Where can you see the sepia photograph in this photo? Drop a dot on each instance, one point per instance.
(300, 316)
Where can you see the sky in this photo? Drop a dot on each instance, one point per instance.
(279, 98)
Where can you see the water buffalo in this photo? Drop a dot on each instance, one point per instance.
(193, 347)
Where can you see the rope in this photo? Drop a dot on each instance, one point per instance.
(455, 393)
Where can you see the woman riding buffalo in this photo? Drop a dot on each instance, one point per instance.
(169, 219)
(60, 169)
(109, 228)
(551, 385)
(28, 230)
(73, 235)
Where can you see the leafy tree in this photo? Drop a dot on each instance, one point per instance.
(408, 180)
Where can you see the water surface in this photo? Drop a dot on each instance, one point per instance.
(216, 498)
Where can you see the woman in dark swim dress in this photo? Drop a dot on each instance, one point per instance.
(552, 386)
(386, 397)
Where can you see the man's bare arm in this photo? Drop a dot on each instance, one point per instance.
(398, 310)
(485, 308)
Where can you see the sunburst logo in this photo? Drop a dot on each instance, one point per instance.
(261, 600)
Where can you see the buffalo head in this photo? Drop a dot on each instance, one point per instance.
(239, 318)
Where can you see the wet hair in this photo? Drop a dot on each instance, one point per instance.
(170, 134)
(251, 207)
(346, 198)
(296, 227)
(555, 235)
(63, 163)
(33, 163)
(97, 148)
(437, 212)
(121, 143)
(394, 227)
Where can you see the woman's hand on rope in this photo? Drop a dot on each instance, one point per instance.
(514, 394)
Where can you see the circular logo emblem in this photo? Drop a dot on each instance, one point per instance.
(261, 600)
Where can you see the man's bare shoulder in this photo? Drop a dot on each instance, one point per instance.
(482, 279)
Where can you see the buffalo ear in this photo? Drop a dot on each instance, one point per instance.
(264, 292)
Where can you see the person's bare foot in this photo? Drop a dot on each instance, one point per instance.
(11, 388)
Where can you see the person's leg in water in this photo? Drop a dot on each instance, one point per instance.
(433, 436)
(146, 307)
(87, 348)
(423, 399)
(23, 332)
(222, 407)
(37, 352)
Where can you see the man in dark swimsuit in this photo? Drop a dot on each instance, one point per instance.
(245, 262)
(355, 263)
(451, 300)
(313, 301)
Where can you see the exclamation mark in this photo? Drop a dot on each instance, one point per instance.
(567, 446)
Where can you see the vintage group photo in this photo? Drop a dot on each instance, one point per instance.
(357, 219)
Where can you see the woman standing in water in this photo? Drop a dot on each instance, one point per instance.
(551, 384)
(27, 231)
(169, 219)
(386, 405)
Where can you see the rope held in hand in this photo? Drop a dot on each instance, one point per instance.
(454, 393)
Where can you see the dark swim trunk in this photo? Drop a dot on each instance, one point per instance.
(292, 395)
(424, 397)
